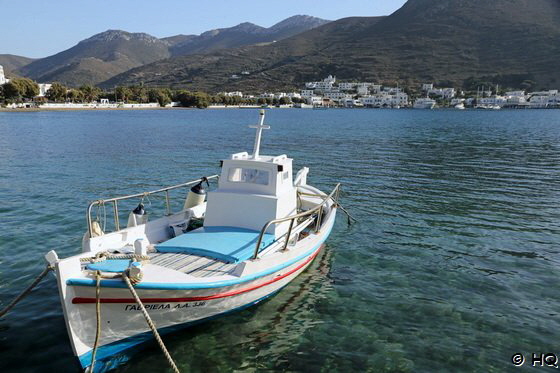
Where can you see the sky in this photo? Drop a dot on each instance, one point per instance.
(39, 28)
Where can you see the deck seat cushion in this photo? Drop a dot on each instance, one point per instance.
(110, 265)
(228, 244)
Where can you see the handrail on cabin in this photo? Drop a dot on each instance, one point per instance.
(292, 218)
(116, 199)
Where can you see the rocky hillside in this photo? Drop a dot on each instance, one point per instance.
(445, 41)
(245, 34)
(98, 58)
(12, 62)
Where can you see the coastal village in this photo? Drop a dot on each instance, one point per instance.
(326, 93)
(329, 93)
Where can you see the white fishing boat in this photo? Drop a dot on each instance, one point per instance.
(424, 103)
(460, 106)
(225, 250)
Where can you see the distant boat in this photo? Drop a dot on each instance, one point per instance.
(488, 107)
(460, 106)
(424, 103)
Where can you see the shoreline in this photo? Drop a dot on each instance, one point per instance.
(217, 107)
(34, 110)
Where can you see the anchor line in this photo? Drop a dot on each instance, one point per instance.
(150, 323)
(97, 319)
(26, 292)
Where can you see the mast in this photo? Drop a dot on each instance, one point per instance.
(261, 126)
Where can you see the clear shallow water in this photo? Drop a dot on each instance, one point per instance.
(453, 265)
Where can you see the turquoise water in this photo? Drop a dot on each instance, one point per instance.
(453, 265)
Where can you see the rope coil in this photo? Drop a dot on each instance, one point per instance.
(104, 255)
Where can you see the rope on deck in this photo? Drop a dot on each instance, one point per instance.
(150, 323)
(26, 291)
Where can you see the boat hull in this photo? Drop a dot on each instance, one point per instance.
(171, 306)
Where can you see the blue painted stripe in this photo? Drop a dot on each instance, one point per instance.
(190, 286)
(112, 355)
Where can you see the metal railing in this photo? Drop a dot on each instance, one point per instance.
(115, 201)
(335, 193)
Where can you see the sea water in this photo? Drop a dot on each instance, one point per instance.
(453, 264)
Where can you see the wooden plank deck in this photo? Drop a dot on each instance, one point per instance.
(194, 265)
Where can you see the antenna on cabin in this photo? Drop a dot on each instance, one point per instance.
(261, 126)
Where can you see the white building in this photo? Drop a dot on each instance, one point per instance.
(545, 99)
(427, 87)
(384, 99)
(446, 93)
(392, 90)
(3, 79)
(315, 101)
(294, 95)
(325, 84)
(347, 86)
(307, 93)
(337, 96)
(267, 95)
(362, 90)
(496, 100)
(232, 94)
(351, 103)
(43, 88)
(375, 88)
(516, 98)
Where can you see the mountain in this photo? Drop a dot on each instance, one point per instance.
(444, 41)
(294, 25)
(98, 58)
(12, 62)
(112, 52)
(213, 71)
(245, 34)
(177, 39)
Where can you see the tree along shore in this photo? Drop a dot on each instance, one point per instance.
(24, 90)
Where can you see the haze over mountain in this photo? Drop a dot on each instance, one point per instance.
(112, 52)
(444, 41)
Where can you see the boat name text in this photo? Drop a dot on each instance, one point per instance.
(163, 306)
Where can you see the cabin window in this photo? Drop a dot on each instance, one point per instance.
(248, 175)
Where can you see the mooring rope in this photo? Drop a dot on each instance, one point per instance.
(104, 255)
(150, 323)
(24, 293)
(350, 217)
(97, 319)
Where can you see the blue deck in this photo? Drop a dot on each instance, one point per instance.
(228, 244)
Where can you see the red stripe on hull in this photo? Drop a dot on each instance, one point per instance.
(81, 300)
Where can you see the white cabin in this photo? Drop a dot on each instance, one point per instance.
(252, 190)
